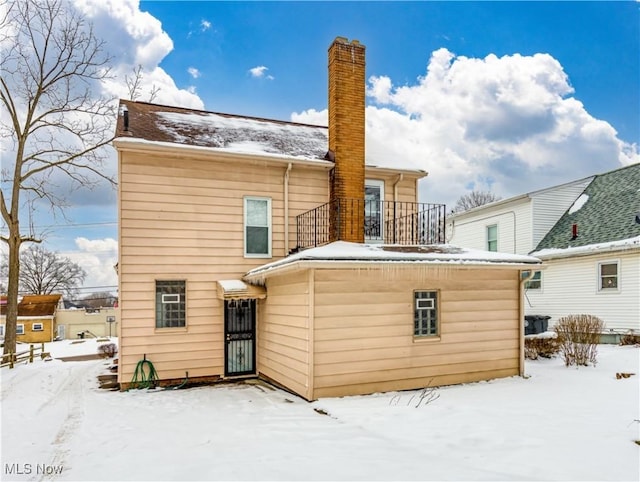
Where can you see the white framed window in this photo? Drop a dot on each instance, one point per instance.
(257, 227)
(425, 313)
(608, 276)
(492, 237)
(170, 304)
(20, 329)
(37, 327)
(535, 283)
(1, 330)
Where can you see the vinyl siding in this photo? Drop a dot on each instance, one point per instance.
(363, 337)
(183, 219)
(549, 205)
(283, 332)
(570, 286)
(514, 227)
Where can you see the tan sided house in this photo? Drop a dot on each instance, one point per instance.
(254, 247)
(36, 318)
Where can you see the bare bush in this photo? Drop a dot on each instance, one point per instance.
(630, 338)
(578, 336)
(108, 350)
(535, 348)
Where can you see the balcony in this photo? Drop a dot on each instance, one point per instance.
(384, 222)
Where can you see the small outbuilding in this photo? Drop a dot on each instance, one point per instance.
(350, 318)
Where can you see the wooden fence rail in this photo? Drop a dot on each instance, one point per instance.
(24, 355)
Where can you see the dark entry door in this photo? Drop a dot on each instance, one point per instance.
(240, 336)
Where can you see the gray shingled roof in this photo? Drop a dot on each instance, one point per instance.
(608, 214)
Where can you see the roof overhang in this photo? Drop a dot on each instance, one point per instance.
(441, 258)
(169, 148)
(625, 245)
(237, 289)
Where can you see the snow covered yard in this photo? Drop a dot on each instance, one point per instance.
(558, 424)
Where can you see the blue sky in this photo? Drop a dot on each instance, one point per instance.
(597, 43)
(505, 96)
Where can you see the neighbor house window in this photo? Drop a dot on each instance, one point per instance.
(170, 304)
(257, 227)
(37, 327)
(1, 330)
(20, 329)
(426, 313)
(608, 276)
(492, 237)
(534, 283)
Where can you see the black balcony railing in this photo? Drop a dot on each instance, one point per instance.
(385, 222)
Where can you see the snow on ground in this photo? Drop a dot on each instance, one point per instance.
(557, 424)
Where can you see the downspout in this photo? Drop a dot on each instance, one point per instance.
(529, 277)
(395, 187)
(286, 209)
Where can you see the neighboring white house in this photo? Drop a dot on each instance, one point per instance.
(515, 225)
(586, 232)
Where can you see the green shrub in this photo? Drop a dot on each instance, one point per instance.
(578, 336)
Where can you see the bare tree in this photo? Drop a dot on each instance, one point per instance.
(134, 85)
(43, 272)
(52, 123)
(101, 299)
(474, 199)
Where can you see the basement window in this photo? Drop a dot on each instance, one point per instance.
(37, 327)
(425, 313)
(170, 304)
(20, 329)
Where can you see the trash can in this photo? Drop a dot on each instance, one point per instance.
(534, 324)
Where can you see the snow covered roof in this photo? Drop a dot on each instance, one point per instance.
(355, 253)
(605, 217)
(159, 124)
(620, 245)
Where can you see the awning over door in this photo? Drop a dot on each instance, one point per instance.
(233, 289)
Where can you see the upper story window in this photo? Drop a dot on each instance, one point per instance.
(257, 227)
(426, 313)
(492, 237)
(608, 274)
(170, 304)
(37, 327)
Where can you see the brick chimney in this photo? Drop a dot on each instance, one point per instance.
(346, 135)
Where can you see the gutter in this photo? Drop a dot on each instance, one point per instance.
(286, 208)
(521, 311)
(125, 143)
(395, 187)
(258, 275)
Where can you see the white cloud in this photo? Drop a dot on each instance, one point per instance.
(205, 25)
(135, 38)
(311, 116)
(259, 72)
(193, 72)
(97, 257)
(507, 124)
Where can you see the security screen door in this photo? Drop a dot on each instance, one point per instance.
(240, 337)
